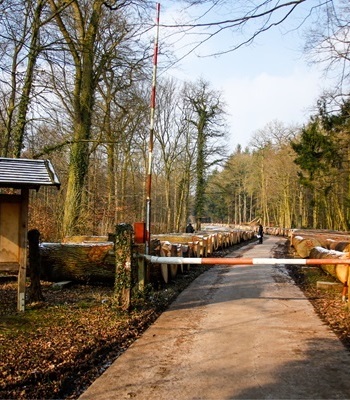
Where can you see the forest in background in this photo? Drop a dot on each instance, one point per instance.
(75, 83)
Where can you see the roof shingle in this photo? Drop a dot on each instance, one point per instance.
(21, 172)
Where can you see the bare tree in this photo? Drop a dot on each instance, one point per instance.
(327, 43)
(120, 109)
(203, 20)
(87, 51)
(270, 148)
(21, 46)
(170, 142)
(208, 127)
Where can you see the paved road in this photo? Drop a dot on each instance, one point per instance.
(236, 333)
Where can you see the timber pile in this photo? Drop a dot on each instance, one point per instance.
(200, 244)
(340, 271)
(337, 245)
(324, 244)
(276, 231)
(167, 249)
(92, 259)
(304, 245)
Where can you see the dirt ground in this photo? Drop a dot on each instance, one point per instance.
(57, 348)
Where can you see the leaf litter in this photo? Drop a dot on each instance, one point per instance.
(57, 348)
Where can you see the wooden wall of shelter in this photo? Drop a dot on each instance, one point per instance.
(13, 231)
(21, 175)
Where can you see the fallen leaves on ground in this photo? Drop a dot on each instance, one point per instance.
(56, 349)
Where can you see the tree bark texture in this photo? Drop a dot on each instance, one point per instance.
(34, 50)
(123, 264)
(90, 263)
(83, 53)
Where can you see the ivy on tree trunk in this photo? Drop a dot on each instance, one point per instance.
(123, 273)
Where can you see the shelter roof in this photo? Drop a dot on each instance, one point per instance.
(26, 173)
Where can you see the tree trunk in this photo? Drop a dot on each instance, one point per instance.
(78, 167)
(123, 267)
(200, 171)
(83, 53)
(19, 127)
(169, 211)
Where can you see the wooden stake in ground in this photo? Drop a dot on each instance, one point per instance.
(22, 250)
(123, 256)
(34, 291)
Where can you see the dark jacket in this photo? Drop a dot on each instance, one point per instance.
(189, 228)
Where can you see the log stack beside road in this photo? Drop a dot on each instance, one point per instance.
(323, 244)
(92, 259)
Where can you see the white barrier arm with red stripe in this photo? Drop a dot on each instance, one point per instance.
(243, 261)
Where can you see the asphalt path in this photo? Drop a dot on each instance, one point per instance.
(243, 332)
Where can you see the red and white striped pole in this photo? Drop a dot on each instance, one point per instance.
(150, 149)
(246, 261)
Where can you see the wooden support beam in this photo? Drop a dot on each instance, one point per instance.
(23, 221)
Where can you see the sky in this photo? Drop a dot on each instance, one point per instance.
(267, 81)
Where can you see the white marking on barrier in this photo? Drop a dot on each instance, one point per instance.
(263, 261)
(173, 260)
(243, 261)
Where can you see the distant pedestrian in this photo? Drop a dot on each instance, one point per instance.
(260, 233)
(189, 228)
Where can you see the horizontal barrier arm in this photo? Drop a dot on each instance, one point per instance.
(244, 261)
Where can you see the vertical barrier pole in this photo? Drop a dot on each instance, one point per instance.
(150, 150)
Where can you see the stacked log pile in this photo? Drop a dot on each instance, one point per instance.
(276, 231)
(92, 259)
(200, 244)
(324, 244)
(340, 271)
(304, 245)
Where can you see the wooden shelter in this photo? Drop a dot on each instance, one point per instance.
(23, 175)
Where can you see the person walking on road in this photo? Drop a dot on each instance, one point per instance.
(189, 228)
(260, 233)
